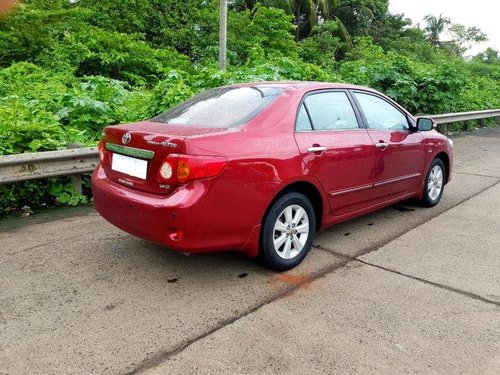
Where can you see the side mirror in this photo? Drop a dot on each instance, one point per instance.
(425, 124)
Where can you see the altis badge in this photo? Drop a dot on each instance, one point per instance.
(163, 143)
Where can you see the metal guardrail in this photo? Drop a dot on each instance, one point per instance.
(448, 118)
(31, 166)
(465, 116)
(75, 162)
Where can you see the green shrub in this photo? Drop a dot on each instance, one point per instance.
(421, 88)
(26, 126)
(168, 93)
(123, 57)
(98, 102)
(36, 193)
(323, 45)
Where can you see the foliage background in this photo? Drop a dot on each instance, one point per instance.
(67, 68)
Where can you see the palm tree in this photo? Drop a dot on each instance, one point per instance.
(435, 26)
(307, 13)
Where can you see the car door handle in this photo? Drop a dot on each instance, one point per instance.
(315, 149)
(382, 145)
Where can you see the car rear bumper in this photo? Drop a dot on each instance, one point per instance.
(177, 220)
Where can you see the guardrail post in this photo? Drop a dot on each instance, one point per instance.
(76, 180)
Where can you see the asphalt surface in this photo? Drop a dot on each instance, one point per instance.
(402, 290)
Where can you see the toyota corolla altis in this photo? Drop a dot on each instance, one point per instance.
(259, 168)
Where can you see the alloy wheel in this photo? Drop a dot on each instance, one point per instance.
(291, 231)
(435, 182)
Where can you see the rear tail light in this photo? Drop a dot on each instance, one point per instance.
(166, 171)
(184, 168)
(103, 154)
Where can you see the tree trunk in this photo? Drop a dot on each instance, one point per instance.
(297, 21)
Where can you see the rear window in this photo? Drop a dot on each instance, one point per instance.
(222, 107)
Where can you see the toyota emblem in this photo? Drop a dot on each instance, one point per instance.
(126, 138)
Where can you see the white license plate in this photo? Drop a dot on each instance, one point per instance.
(131, 166)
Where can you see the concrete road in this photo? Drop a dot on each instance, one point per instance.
(403, 290)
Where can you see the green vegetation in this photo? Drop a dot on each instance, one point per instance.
(67, 68)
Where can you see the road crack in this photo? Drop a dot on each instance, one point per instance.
(478, 175)
(438, 285)
(164, 356)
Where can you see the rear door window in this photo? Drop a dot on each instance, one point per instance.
(327, 111)
(303, 121)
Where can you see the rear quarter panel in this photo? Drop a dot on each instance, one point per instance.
(263, 159)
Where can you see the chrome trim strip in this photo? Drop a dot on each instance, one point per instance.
(328, 130)
(363, 187)
(130, 151)
(397, 179)
(350, 190)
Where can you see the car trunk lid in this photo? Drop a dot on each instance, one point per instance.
(133, 154)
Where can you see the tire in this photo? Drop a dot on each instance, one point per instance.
(434, 183)
(287, 232)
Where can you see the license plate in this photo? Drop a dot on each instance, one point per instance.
(131, 166)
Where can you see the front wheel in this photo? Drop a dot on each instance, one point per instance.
(434, 183)
(287, 232)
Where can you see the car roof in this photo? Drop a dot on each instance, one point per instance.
(307, 86)
(302, 85)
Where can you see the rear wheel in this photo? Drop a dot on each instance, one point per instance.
(434, 184)
(288, 232)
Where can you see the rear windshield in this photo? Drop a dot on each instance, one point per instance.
(222, 107)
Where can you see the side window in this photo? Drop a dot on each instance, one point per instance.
(381, 114)
(303, 122)
(331, 111)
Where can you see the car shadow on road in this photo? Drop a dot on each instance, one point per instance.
(138, 253)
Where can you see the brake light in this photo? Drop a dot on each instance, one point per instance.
(103, 155)
(184, 168)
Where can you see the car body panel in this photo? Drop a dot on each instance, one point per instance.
(398, 167)
(345, 169)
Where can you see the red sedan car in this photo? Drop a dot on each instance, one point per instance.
(258, 168)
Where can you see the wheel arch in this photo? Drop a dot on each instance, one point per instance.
(443, 156)
(309, 190)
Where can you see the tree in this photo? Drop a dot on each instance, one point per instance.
(260, 34)
(362, 17)
(490, 56)
(463, 38)
(28, 31)
(241, 5)
(307, 13)
(322, 46)
(183, 25)
(435, 26)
